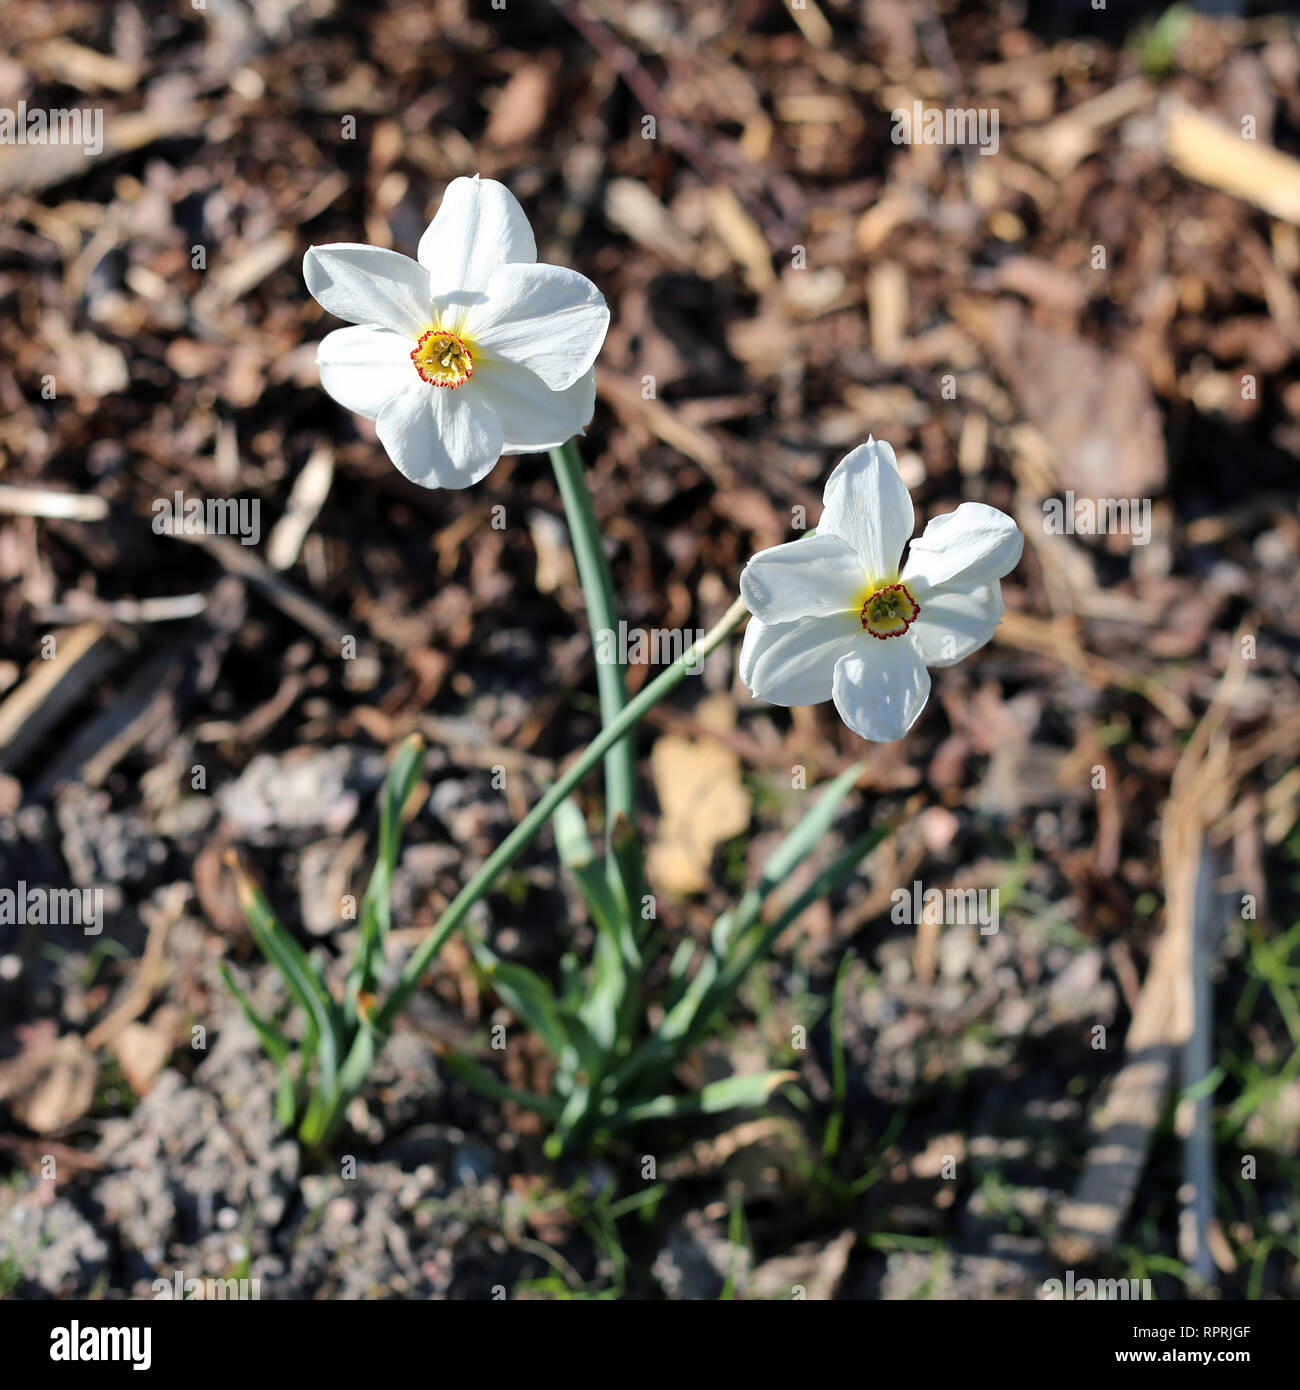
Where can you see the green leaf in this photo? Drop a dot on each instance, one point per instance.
(839, 1080)
(837, 872)
(532, 1000)
(570, 1119)
(663, 1050)
(574, 848)
(616, 953)
(749, 951)
(678, 972)
(734, 1093)
(276, 1046)
(376, 905)
(482, 1081)
(323, 1017)
(811, 829)
(622, 870)
(606, 991)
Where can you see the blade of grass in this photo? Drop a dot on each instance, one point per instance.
(376, 905)
(291, 961)
(482, 1080)
(733, 1093)
(276, 1046)
(810, 830)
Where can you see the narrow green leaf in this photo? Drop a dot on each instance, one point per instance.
(788, 855)
(276, 1046)
(605, 994)
(837, 872)
(323, 1018)
(733, 1093)
(663, 1050)
(748, 952)
(376, 904)
(482, 1081)
(574, 848)
(532, 1000)
(839, 1079)
(602, 613)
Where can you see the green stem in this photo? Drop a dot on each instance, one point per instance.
(527, 830)
(622, 861)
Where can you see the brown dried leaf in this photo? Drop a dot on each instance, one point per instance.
(50, 1086)
(703, 803)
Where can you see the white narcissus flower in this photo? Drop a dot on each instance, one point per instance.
(470, 352)
(836, 619)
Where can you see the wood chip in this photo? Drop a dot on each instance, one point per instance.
(83, 657)
(310, 489)
(742, 237)
(1214, 154)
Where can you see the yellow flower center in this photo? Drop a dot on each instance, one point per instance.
(889, 611)
(443, 359)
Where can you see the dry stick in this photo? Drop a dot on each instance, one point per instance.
(151, 974)
(84, 656)
(242, 562)
(625, 62)
(153, 695)
(1193, 1120)
(1200, 791)
(310, 490)
(59, 506)
(1049, 639)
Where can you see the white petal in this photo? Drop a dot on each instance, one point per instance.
(881, 689)
(364, 368)
(479, 226)
(438, 437)
(818, 575)
(543, 317)
(973, 545)
(366, 284)
(868, 505)
(794, 663)
(532, 417)
(956, 621)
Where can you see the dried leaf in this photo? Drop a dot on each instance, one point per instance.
(50, 1086)
(703, 803)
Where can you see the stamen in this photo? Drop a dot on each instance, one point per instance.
(889, 612)
(443, 359)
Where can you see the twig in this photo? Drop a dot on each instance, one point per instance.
(59, 506)
(1200, 791)
(83, 657)
(623, 59)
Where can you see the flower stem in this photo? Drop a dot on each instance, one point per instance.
(527, 830)
(623, 864)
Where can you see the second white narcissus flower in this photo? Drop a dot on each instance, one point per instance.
(469, 352)
(835, 618)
